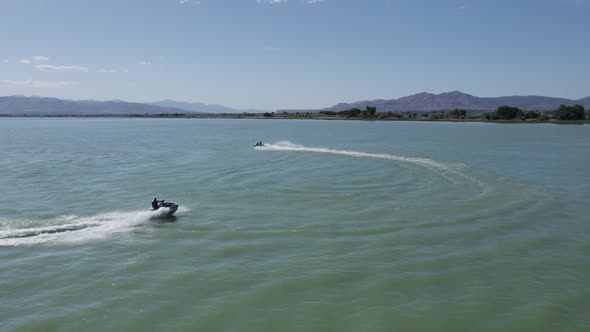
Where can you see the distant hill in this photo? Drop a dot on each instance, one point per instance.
(421, 102)
(21, 105)
(424, 101)
(200, 107)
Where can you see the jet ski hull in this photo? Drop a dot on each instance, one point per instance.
(171, 210)
(166, 210)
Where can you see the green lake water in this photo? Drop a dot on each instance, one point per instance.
(332, 226)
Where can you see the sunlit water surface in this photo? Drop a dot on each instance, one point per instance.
(332, 226)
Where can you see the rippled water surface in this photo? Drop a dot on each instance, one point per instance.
(332, 226)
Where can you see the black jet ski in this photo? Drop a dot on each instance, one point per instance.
(258, 144)
(166, 209)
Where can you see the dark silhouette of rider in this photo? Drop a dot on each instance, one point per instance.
(155, 204)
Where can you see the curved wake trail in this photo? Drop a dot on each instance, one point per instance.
(288, 146)
(453, 168)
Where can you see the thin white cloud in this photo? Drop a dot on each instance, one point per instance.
(5, 61)
(461, 7)
(24, 61)
(40, 58)
(35, 84)
(183, 2)
(60, 68)
(311, 2)
(110, 70)
(143, 63)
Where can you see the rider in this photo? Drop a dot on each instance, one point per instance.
(155, 203)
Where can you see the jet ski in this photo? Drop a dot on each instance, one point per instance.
(258, 144)
(166, 209)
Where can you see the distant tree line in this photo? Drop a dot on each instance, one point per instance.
(508, 113)
(368, 112)
(564, 112)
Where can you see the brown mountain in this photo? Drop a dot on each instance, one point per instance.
(21, 105)
(424, 101)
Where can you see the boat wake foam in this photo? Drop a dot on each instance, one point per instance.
(288, 146)
(72, 229)
(445, 168)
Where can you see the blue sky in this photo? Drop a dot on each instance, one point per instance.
(294, 54)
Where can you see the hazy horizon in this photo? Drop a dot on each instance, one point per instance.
(245, 109)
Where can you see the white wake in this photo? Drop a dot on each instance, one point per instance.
(73, 229)
(288, 146)
(443, 168)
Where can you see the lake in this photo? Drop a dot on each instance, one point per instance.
(331, 226)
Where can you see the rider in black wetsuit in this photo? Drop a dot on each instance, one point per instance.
(155, 205)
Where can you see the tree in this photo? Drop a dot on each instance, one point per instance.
(531, 115)
(370, 111)
(567, 112)
(351, 113)
(436, 115)
(457, 113)
(507, 112)
(490, 116)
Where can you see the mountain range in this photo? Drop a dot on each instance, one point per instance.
(424, 101)
(21, 105)
(421, 102)
(199, 107)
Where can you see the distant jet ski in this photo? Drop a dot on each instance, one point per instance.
(258, 144)
(165, 209)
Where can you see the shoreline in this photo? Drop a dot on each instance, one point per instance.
(319, 118)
